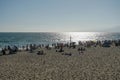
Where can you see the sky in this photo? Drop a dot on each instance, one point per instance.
(59, 15)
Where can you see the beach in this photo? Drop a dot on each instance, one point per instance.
(95, 63)
(59, 39)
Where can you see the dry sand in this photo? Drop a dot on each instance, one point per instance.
(95, 64)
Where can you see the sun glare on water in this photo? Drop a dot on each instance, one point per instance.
(81, 36)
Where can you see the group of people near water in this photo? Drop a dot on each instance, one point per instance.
(9, 50)
(104, 43)
(59, 47)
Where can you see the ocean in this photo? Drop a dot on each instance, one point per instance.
(20, 39)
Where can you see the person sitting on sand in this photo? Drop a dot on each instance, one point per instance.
(40, 52)
(23, 47)
(61, 49)
(47, 47)
(68, 54)
(27, 47)
(31, 48)
(42, 45)
(39, 45)
(9, 48)
(15, 48)
(3, 51)
(81, 50)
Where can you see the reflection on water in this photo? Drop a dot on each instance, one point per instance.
(49, 38)
(86, 36)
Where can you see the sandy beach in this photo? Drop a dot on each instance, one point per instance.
(59, 39)
(96, 63)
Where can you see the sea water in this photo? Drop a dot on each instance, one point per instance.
(20, 39)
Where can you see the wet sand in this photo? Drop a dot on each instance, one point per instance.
(96, 63)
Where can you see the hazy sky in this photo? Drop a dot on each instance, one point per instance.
(58, 15)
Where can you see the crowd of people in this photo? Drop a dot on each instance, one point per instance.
(59, 47)
(9, 50)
